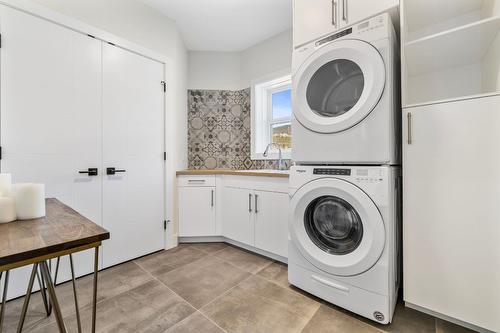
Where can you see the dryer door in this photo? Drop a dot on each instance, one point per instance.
(338, 86)
(337, 227)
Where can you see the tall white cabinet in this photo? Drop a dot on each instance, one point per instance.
(451, 127)
(70, 102)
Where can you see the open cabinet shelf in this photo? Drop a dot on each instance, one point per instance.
(455, 63)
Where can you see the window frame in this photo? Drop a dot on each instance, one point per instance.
(262, 117)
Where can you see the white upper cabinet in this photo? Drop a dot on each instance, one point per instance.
(313, 19)
(358, 10)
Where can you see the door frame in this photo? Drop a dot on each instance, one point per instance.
(170, 238)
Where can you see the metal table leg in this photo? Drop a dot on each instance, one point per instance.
(53, 297)
(4, 297)
(74, 292)
(27, 298)
(43, 292)
(94, 301)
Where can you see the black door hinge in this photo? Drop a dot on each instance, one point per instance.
(164, 85)
(0, 152)
(165, 225)
(0, 41)
(164, 155)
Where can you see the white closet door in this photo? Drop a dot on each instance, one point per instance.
(51, 115)
(133, 140)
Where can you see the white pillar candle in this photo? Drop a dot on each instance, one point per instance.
(7, 210)
(29, 200)
(5, 184)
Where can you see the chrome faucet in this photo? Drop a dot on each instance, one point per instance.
(281, 166)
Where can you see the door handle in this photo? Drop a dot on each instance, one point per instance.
(112, 171)
(344, 10)
(409, 138)
(256, 198)
(212, 198)
(90, 172)
(334, 12)
(250, 202)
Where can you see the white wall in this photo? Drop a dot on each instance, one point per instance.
(270, 59)
(138, 23)
(238, 70)
(214, 70)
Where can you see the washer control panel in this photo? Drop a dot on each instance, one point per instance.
(332, 172)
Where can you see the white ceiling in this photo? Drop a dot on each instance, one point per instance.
(226, 25)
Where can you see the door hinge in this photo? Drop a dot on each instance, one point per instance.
(164, 155)
(0, 152)
(165, 225)
(0, 41)
(164, 85)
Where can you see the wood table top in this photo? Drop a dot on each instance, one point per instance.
(61, 229)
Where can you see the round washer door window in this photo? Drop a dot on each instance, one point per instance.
(336, 226)
(333, 225)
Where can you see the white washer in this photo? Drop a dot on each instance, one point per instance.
(344, 236)
(346, 102)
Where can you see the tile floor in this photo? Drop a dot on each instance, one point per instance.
(207, 288)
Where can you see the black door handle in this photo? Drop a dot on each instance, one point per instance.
(90, 172)
(112, 171)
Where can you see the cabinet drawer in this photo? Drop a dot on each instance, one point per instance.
(188, 181)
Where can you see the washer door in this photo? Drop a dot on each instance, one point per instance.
(337, 227)
(338, 86)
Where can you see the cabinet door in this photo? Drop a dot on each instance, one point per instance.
(236, 212)
(51, 118)
(451, 210)
(196, 211)
(313, 19)
(133, 140)
(271, 222)
(352, 11)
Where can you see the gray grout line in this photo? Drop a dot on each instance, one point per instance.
(213, 322)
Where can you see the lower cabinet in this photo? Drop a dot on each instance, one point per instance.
(196, 211)
(256, 216)
(271, 222)
(237, 215)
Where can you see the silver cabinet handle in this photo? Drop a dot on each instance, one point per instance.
(334, 12)
(250, 202)
(409, 139)
(256, 198)
(196, 180)
(212, 198)
(344, 10)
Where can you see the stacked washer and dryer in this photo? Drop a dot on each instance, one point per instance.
(345, 187)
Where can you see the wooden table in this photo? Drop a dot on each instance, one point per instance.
(62, 232)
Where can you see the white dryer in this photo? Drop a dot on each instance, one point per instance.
(346, 103)
(344, 236)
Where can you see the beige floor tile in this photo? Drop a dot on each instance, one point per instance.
(447, 327)
(149, 308)
(406, 320)
(244, 260)
(207, 247)
(165, 261)
(112, 281)
(328, 319)
(201, 282)
(257, 305)
(195, 323)
(276, 272)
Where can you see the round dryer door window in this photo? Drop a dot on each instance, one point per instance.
(338, 86)
(337, 227)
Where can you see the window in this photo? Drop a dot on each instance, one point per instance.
(271, 117)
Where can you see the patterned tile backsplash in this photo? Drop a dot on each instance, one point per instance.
(219, 131)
